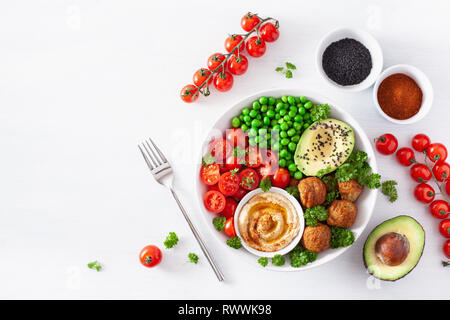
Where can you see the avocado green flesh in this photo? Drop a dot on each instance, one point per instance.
(406, 226)
(324, 146)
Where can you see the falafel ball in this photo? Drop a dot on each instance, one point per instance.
(313, 192)
(342, 213)
(350, 190)
(316, 239)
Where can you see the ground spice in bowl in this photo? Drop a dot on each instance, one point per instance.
(399, 96)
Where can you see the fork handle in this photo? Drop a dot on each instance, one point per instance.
(199, 239)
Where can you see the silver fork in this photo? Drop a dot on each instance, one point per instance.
(162, 172)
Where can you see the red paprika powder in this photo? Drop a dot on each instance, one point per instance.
(399, 96)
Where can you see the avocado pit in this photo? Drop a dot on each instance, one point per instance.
(392, 248)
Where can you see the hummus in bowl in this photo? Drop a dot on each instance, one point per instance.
(269, 223)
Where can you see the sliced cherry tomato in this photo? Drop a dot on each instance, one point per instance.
(210, 174)
(249, 179)
(215, 60)
(269, 157)
(214, 187)
(214, 201)
(386, 144)
(437, 152)
(441, 171)
(256, 47)
(269, 32)
(232, 41)
(249, 21)
(444, 228)
(424, 193)
(405, 156)
(230, 207)
(229, 227)
(200, 77)
(281, 178)
(238, 65)
(446, 248)
(447, 187)
(220, 149)
(266, 171)
(234, 163)
(420, 172)
(253, 157)
(189, 93)
(223, 81)
(237, 137)
(240, 194)
(229, 183)
(440, 209)
(420, 142)
(150, 256)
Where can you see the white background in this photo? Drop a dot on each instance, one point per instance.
(83, 81)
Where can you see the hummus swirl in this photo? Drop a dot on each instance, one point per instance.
(268, 222)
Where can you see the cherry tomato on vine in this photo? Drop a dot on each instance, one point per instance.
(386, 144)
(232, 41)
(249, 179)
(440, 209)
(420, 172)
(210, 174)
(230, 207)
(446, 248)
(223, 81)
(237, 137)
(189, 93)
(256, 47)
(441, 171)
(238, 66)
(444, 228)
(437, 152)
(269, 32)
(215, 60)
(229, 183)
(229, 227)
(420, 142)
(150, 256)
(214, 201)
(249, 21)
(281, 178)
(200, 77)
(405, 156)
(424, 193)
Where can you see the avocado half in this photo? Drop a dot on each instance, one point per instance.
(324, 146)
(394, 248)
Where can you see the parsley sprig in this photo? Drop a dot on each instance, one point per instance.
(287, 71)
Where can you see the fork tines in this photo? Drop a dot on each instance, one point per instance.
(152, 155)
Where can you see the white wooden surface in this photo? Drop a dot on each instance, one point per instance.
(82, 82)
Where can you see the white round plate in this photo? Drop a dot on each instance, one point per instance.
(365, 203)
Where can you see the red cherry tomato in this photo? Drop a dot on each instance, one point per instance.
(424, 193)
(189, 93)
(405, 156)
(446, 248)
(420, 142)
(281, 178)
(230, 207)
(249, 179)
(447, 187)
(256, 47)
(214, 201)
(267, 171)
(440, 209)
(232, 41)
(269, 32)
(200, 77)
(210, 174)
(240, 194)
(420, 172)
(249, 21)
(253, 157)
(237, 137)
(386, 144)
(229, 227)
(214, 187)
(215, 60)
(444, 228)
(239, 65)
(437, 152)
(150, 256)
(223, 81)
(229, 183)
(268, 157)
(233, 163)
(220, 149)
(441, 171)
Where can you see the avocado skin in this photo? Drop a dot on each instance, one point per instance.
(365, 247)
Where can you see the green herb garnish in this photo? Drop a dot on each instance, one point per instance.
(341, 237)
(193, 258)
(287, 71)
(315, 214)
(293, 191)
(263, 261)
(171, 240)
(388, 189)
(95, 265)
(219, 223)
(234, 242)
(320, 112)
(300, 257)
(208, 159)
(357, 167)
(265, 184)
(278, 260)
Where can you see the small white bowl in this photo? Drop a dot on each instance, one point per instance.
(301, 220)
(367, 40)
(422, 81)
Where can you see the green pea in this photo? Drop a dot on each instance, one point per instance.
(270, 113)
(235, 122)
(277, 116)
(287, 118)
(253, 113)
(292, 113)
(291, 132)
(292, 167)
(297, 100)
(262, 132)
(283, 134)
(241, 117)
(276, 146)
(308, 105)
(252, 132)
(281, 121)
(247, 119)
(263, 144)
(276, 128)
(298, 175)
(284, 141)
(291, 100)
(244, 127)
(279, 106)
(302, 110)
(271, 101)
(292, 146)
(284, 99)
(256, 105)
(288, 157)
(303, 99)
(274, 122)
(297, 126)
(284, 126)
(305, 125)
(307, 116)
(245, 111)
(266, 120)
(256, 123)
(263, 100)
(259, 117)
(295, 139)
(290, 123)
(282, 163)
(283, 112)
(298, 118)
(252, 142)
(264, 108)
